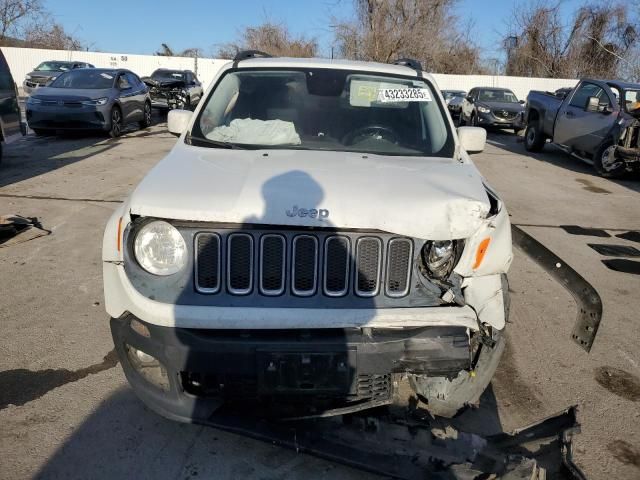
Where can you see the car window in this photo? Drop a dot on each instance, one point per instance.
(587, 90)
(325, 109)
(496, 95)
(123, 82)
(632, 100)
(132, 79)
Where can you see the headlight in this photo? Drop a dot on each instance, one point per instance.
(97, 101)
(52, 79)
(28, 77)
(160, 249)
(439, 257)
(482, 109)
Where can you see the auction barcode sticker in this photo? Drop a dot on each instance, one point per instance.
(386, 95)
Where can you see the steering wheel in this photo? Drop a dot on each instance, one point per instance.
(378, 132)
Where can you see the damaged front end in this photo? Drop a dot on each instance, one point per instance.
(171, 94)
(628, 145)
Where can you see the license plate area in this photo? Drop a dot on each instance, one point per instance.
(308, 372)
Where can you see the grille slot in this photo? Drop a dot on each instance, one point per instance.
(336, 266)
(368, 263)
(207, 262)
(304, 272)
(399, 255)
(272, 264)
(240, 263)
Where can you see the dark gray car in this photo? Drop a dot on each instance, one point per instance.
(48, 71)
(492, 107)
(90, 99)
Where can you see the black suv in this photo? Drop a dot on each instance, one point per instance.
(11, 126)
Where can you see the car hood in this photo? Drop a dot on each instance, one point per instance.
(47, 74)
(508, 106)
(79, 94)
(431, 198)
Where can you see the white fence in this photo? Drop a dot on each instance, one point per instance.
(23, 60)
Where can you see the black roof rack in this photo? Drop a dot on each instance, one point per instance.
(247, 54)
(409, 62)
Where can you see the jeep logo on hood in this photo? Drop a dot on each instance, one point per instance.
(320, 214)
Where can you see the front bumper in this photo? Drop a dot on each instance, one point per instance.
(325, 369)
(59, 118)
(491, 120)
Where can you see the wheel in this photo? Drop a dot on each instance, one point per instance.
(116, 123)
(446, 397)
(606, 163)
(533, 139)
(146, 116)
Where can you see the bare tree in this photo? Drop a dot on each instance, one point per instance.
(596, 42)
(51, 36)
(272, 38)
(15, 14)
(426, 30)
(167, 51)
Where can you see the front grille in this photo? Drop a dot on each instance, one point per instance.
(505, 115)
(272, 264)
(240, 263)
(368, 262)
(305, 265)
(398, 266)
(207, 261)
(302, 264)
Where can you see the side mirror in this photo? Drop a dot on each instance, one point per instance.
(593, 104)
(472, 139)
(178, 121)
(469, 99)
(521, 102)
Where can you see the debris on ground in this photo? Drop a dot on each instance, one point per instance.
(16, 229)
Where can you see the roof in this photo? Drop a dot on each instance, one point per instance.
(614, 83)
(493, 88)
(284, 62)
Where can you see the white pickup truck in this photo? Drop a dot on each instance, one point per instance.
(317, 235)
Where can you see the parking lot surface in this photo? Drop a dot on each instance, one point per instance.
(66, 410)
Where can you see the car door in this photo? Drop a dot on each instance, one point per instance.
(126, 96)
(580, 129)
(9, 109)
(137, 96)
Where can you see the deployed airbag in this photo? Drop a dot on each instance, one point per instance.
(256, 132)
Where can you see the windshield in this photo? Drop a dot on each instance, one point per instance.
(167, 75)
(53, 67)
(632, 100)
(84, 79)
(501, 96)
(324, 109)
(450, 94)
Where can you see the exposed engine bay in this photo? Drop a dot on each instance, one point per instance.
(628, 148)
(167, 93)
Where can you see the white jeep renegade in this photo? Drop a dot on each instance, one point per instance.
(317, 234)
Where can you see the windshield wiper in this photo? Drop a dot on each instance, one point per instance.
(205, 142)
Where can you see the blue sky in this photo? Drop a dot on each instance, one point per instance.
(126, 26)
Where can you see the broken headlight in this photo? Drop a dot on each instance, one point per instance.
(439, 257)
(160, 248)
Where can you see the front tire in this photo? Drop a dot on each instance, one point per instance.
(116, 123)
(605, 162)
(445, 397)
(533, 139)
(146, 116)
